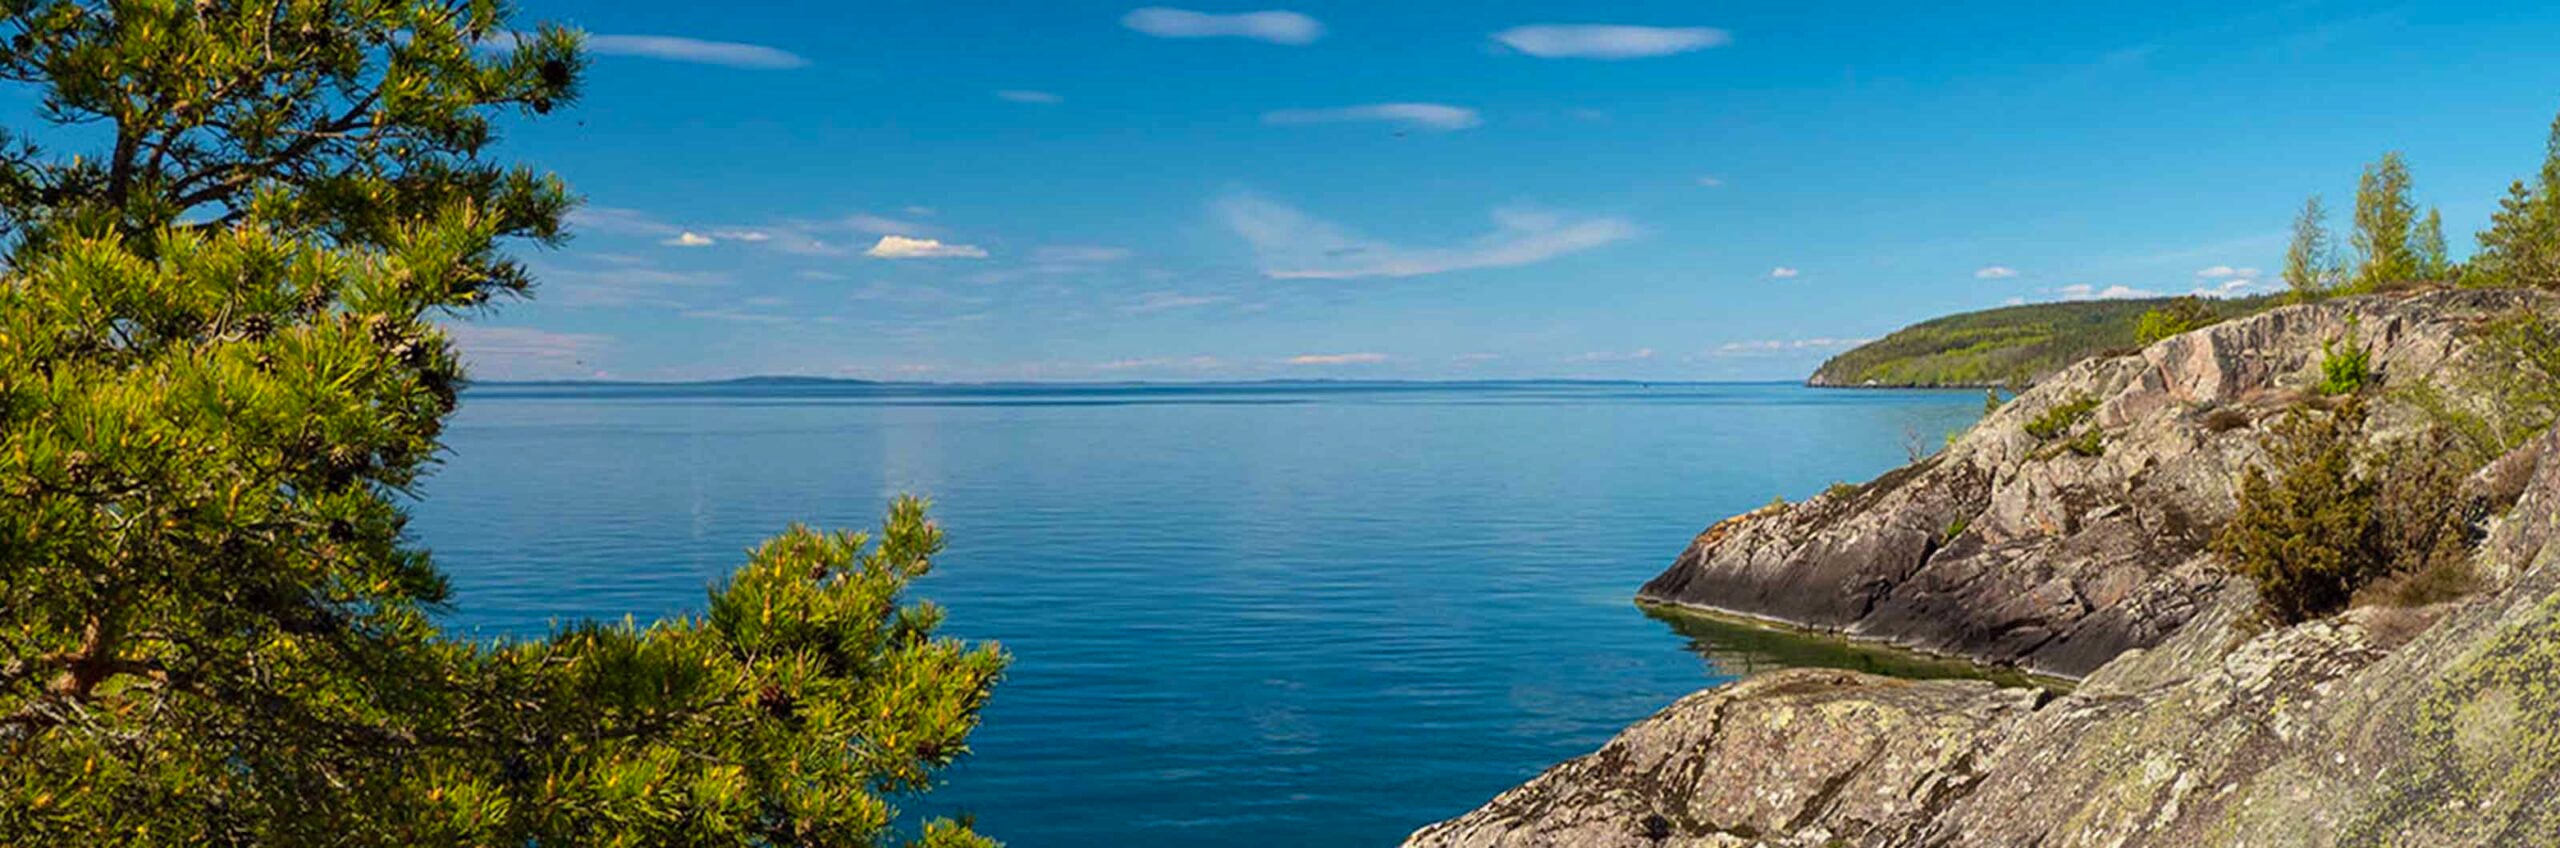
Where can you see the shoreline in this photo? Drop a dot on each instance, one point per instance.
(1994, 672)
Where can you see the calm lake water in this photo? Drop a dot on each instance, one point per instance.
(1268, 614)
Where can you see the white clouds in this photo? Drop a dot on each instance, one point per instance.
(2227, 281)
(1996, 272)
(1783, 272)
(1710, 182)
(1294, 245)
(2085, 291)
(1337, 359)
(617, 221)
(1037, 98)
(696, 51)
(1429, 116)
(1607, 41)
(524, 353)
(902, 247)
(1276, 27)
(818, 238)
(2227, 288)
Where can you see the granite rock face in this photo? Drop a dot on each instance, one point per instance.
(2058, 553)
(2435, 726)
(1815, 754)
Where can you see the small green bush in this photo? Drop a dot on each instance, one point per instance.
(2510, 394)
(2177, 317)
(2090, 442)
(2318, 531)
(2344, 368)
(2062, 417)
(2305, 532)
(2425, 522)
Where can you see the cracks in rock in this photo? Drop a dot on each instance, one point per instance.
(1829, 795)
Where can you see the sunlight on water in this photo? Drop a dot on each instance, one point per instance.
(1256, 614)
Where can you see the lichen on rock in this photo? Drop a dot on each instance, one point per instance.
(2199, 722)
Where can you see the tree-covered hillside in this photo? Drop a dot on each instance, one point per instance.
(2009, 345)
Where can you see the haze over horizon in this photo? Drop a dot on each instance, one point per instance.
(1664, 191)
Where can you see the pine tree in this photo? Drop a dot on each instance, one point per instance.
(2383, 218)
(2310, 261)
(220, 371)
(2522, 245)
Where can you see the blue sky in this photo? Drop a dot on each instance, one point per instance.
(1650, 190)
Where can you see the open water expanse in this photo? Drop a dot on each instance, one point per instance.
(1255, 614)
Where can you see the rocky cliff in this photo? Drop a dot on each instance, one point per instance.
(2057, 548)
(2199, 724)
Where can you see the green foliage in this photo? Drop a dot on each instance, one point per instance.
(2305, 532)
(2435, 261)
(2090, 442)
(2522, 245)
(1954, 529)
(2509, 395)
(2384, 221)
(2177, 317)
(348, 122)
(2311, 260)
(1838, 490)
(2321, 527)
(2426, 532)
(2345, 366)
(2061, 417)
(2009, 346)
(221, 372)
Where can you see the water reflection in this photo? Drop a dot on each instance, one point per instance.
(1740, 648)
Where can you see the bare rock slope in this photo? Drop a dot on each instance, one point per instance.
(2058, 552)
(2437, 726)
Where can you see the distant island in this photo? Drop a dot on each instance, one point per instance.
(2010, 346)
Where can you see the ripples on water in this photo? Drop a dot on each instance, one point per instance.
(1318, 614)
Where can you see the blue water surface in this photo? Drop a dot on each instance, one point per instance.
(1261, 614)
